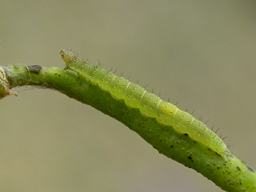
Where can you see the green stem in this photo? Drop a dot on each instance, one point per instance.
(231, 174)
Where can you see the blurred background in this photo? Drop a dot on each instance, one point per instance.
(198, 53)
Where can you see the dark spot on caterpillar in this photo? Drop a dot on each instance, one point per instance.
(186, 134)
(238, 168)
(249, 168)
(34, 69)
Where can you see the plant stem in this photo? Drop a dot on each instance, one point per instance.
(231, 174)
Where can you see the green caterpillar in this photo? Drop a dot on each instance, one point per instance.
(149, 104)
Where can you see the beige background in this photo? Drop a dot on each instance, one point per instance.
(200, 53)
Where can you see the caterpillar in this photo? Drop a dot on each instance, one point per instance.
(149, 104)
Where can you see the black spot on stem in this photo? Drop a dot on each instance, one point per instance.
(190, 158)
(34, 69)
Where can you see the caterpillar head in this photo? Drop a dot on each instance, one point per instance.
(68, 56)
